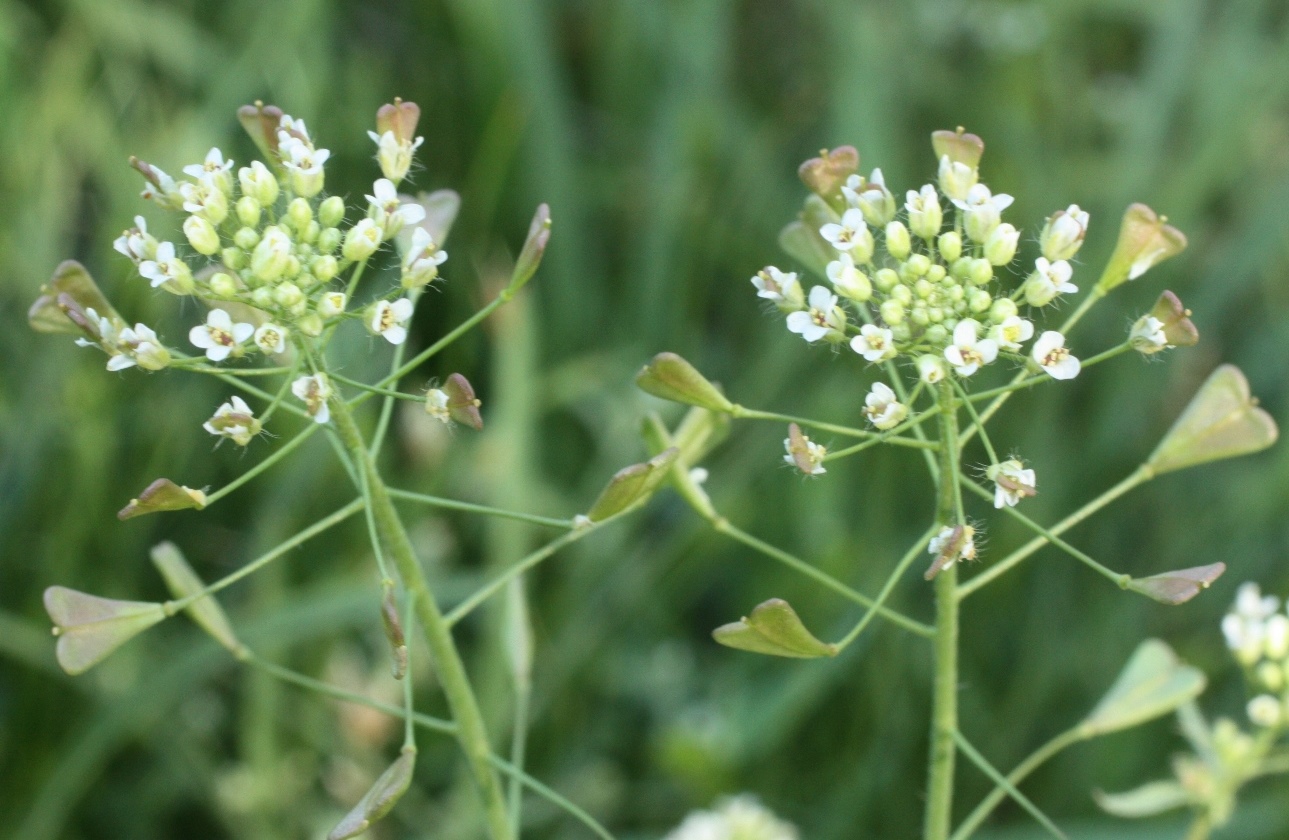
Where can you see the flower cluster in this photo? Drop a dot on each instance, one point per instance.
(918, 282)
(737, 818)
(1257, 632)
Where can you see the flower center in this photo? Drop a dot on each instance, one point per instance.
(1056, 356)
(221, 336)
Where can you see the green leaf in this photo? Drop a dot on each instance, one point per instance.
(807, 247)
(1221, 421)
(89, 628)
(672, 378)
(1180, 586)
(1146, 801)
(631, 485)
(79, 294)
(774, 629)
(184, 582)
(380, 799)
(1153, 683)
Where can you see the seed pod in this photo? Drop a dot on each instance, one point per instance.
(672, 378)
(393, 624)
(161, 495)
(89, 628)
(261, 123)
(773, 628)
(825, 174)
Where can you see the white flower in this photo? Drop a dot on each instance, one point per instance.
(882, 409)
(422, 260)
(781, 287)
(925, 215)
(436, 405)
(136, 243)
(1277, 640)
(1063, 234)
(1250, 603)
(235, 421)
(1000, 248)
(1048, 280)
(951, 544)
(956, 178)
(1147, 335)
(205, 199)
(983, 211)
(388, 211)
(874, 343)
(134, 346)
(847, 280)
(822, 318)
(214, 170)
(1050, 352)
(271, 339)
(202, 235)
(1265, 711)
(388, 320)
(1012, 482)
(931, 369)
(806, 455)
(219, 335)
(259, 183)
(292, 132)
(739, 818)
(842, 236)
(332, 304)
(394, 155)
(871, 197)
(314, 391)
(362, 240)
(1011, 332)
(304, 165)
(968, 352)
(168, 271)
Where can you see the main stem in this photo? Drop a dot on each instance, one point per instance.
(944, 709)
(471, 731)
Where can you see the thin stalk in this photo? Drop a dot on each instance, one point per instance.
(387, 404)
(944, 708)
(1138, 476)
(752, 414)
(1117, 578)
(1001, 781)
(453, 504)
(283, 451)
(900, 568)
(224, 376)
(897, 382)
(724, 526)
(409, 733)
(471, 731)
(380, 392)
(173, 607)
(889, 436)
(518, 745)
(281, 391)
(1015, 777)
(977, 423)
(1200, 828)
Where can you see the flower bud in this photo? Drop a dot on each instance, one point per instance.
(310, 324)
(925, 215)
(201, 235)
(961, 267)
(1000, 247)
(981, 272)
(361, 241)
(331, 212)
(233, 257)
(875, 201)
(897, 240)
(299, 213)
(979, 300)
(288, 295)
(937, 333)
(1063, 234)
(1147, 335)
(849, 281)
(885, 279)
(223, 285)
(919, 265)
(862, 246)
(248, 211)
(902, 293)
(246, 238)
(936, 273)
(262, 297)
(923, 288)
(1002, 309)
(328, 240)
(931, 369)
(332, 304)
(258, 183)
(292, 268)
(892, 310)
(950, 243)
(309, 233)
(270, 256)
(325, 268)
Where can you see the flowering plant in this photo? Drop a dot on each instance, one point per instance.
(926, 294)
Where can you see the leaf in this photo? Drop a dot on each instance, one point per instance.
(824, 175)
(1153, 683)
(806, 247)
(1180, 586)
(89, 627)
(184, 582)
(162, 495)
(380, 799)
(1146, 801)
(672, 378)
(1221, 421)
(49, 315)
(774, 629)
(631, 485)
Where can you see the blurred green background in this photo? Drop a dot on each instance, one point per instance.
(665, 134)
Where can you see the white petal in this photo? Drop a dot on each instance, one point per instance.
(395, 334)
(218, 352)
(241, 332)
(220, 319)
(200, 337)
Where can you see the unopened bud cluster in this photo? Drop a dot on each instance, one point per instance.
(1257, 632)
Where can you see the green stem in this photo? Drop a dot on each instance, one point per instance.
(740, 412)
(283, 451)
(1015, 777)
(890, 437)
(387, 404)
(1138, 476)
(900, 568)
(724, 526)
(518, 745)
(944, 709)
(1001, 781)
(453, 504)
(1200, 829)
(471, 731)
(977, 424)
(409, 734)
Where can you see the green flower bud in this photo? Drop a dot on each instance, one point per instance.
(897, 240)
(885, 279)
(1000, 247)
(979, 300)
(258, 182)
(923, 288)
(331, 212)
(309, 233)
(288, 295)
(936, 273)
(201, 235)
(299, 213)
(931, 369)
(233, 257)
(919, 316)
(961, 267)
(246, 238)
(328, 240)
(901, 332)
(269, 259)
(362, 240)
(936, 314)
(902, 293)
(1002, 309)
(325, 267)
(262, 297)
(248, 211)
(223, 285)
(937, 333)
(892, 310)
(957, 293)
(981, 272)
(950, 245)
(861, 250)
(310, 325)
(292, 268)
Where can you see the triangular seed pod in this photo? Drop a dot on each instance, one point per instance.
(70, 288)
(825, 174)
(672, 378)
(806, 246)
(261, 123)
(89, 628)
(539, 235)
(1153, 683)
(1180, 586)
(1221, 421)
(380, 799)
(1178, 328)
(1149, 800)
(631, 485)
(161, 495)
(400, 118)
(1145, 240)
(463, 405)
(774, 629)
(960, 146)
(183, 582)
